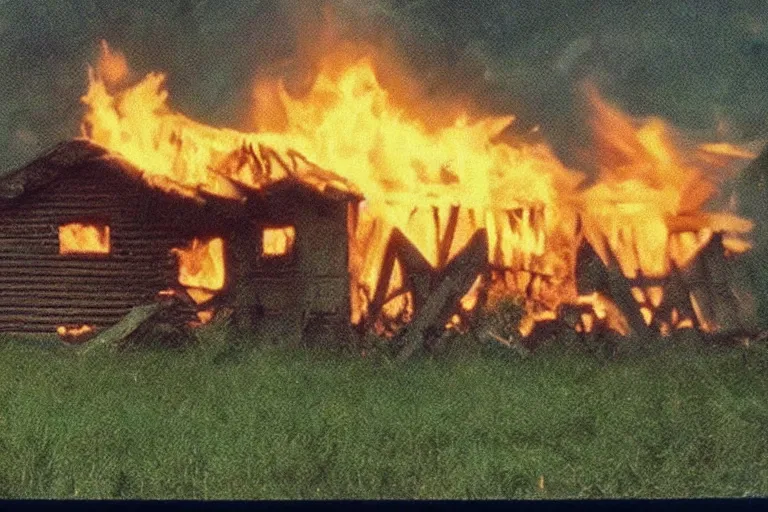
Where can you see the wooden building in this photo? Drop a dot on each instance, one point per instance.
(285, 247)
(290, 262)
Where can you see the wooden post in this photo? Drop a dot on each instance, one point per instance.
(242, 256)
(711, 278)
(592, 275)
(452, 284)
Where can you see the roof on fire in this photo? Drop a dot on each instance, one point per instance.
(73, 153)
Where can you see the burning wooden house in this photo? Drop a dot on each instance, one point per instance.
(453, 219)
(84, 238)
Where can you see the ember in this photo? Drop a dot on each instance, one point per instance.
(74, 334)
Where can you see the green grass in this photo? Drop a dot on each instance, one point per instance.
(279, 423)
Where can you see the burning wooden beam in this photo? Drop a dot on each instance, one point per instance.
(711, 279)
(418, 274)
(592, 275)
(453, 283)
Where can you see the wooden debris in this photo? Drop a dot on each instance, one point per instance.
(165, 320)
(592, 275)
(544, 331)
(510, 343)
(452, 284)
(710, 278)
(418, 274)
(677, 295)
(730, 313)
(125, 327)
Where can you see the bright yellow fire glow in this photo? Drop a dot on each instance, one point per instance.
(278, 241)
(73, 332)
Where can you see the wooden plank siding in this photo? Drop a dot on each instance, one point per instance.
(314, 282)
(41, 289)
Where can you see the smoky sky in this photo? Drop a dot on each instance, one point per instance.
(701, 64)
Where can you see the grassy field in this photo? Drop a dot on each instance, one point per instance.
(678, 421)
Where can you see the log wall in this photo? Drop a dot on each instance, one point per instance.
(41, 289)
(311, 286)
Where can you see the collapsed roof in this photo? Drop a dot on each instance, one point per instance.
(77, 152)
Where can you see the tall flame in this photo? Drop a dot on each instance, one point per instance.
(647, 208)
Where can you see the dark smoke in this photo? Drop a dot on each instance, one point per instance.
(702, 64)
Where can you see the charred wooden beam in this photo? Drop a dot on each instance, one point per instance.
(418, 274)
(14, 260)
(711, 278)
(130, 322)
(166, 319)
(446, 241)
(243, 248)
(453, 282)
(62, 280)
(34, 301)
(722, 279)
(592, 275)
(45, 293)
(46, 168)
(385, 276)
(677, 295)
(696, 280)
(78, 286)
(128, 272)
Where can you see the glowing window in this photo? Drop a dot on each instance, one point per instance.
(78, 238)
(201, 267)
(278, 241)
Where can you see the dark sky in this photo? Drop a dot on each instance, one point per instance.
(694, 62)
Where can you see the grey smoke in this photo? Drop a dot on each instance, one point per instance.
(694, 62)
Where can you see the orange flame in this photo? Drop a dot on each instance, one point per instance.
(646, 210)
(73, 332)
(201, 268)
(113, 66)
(278, 241)
(78, 238)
